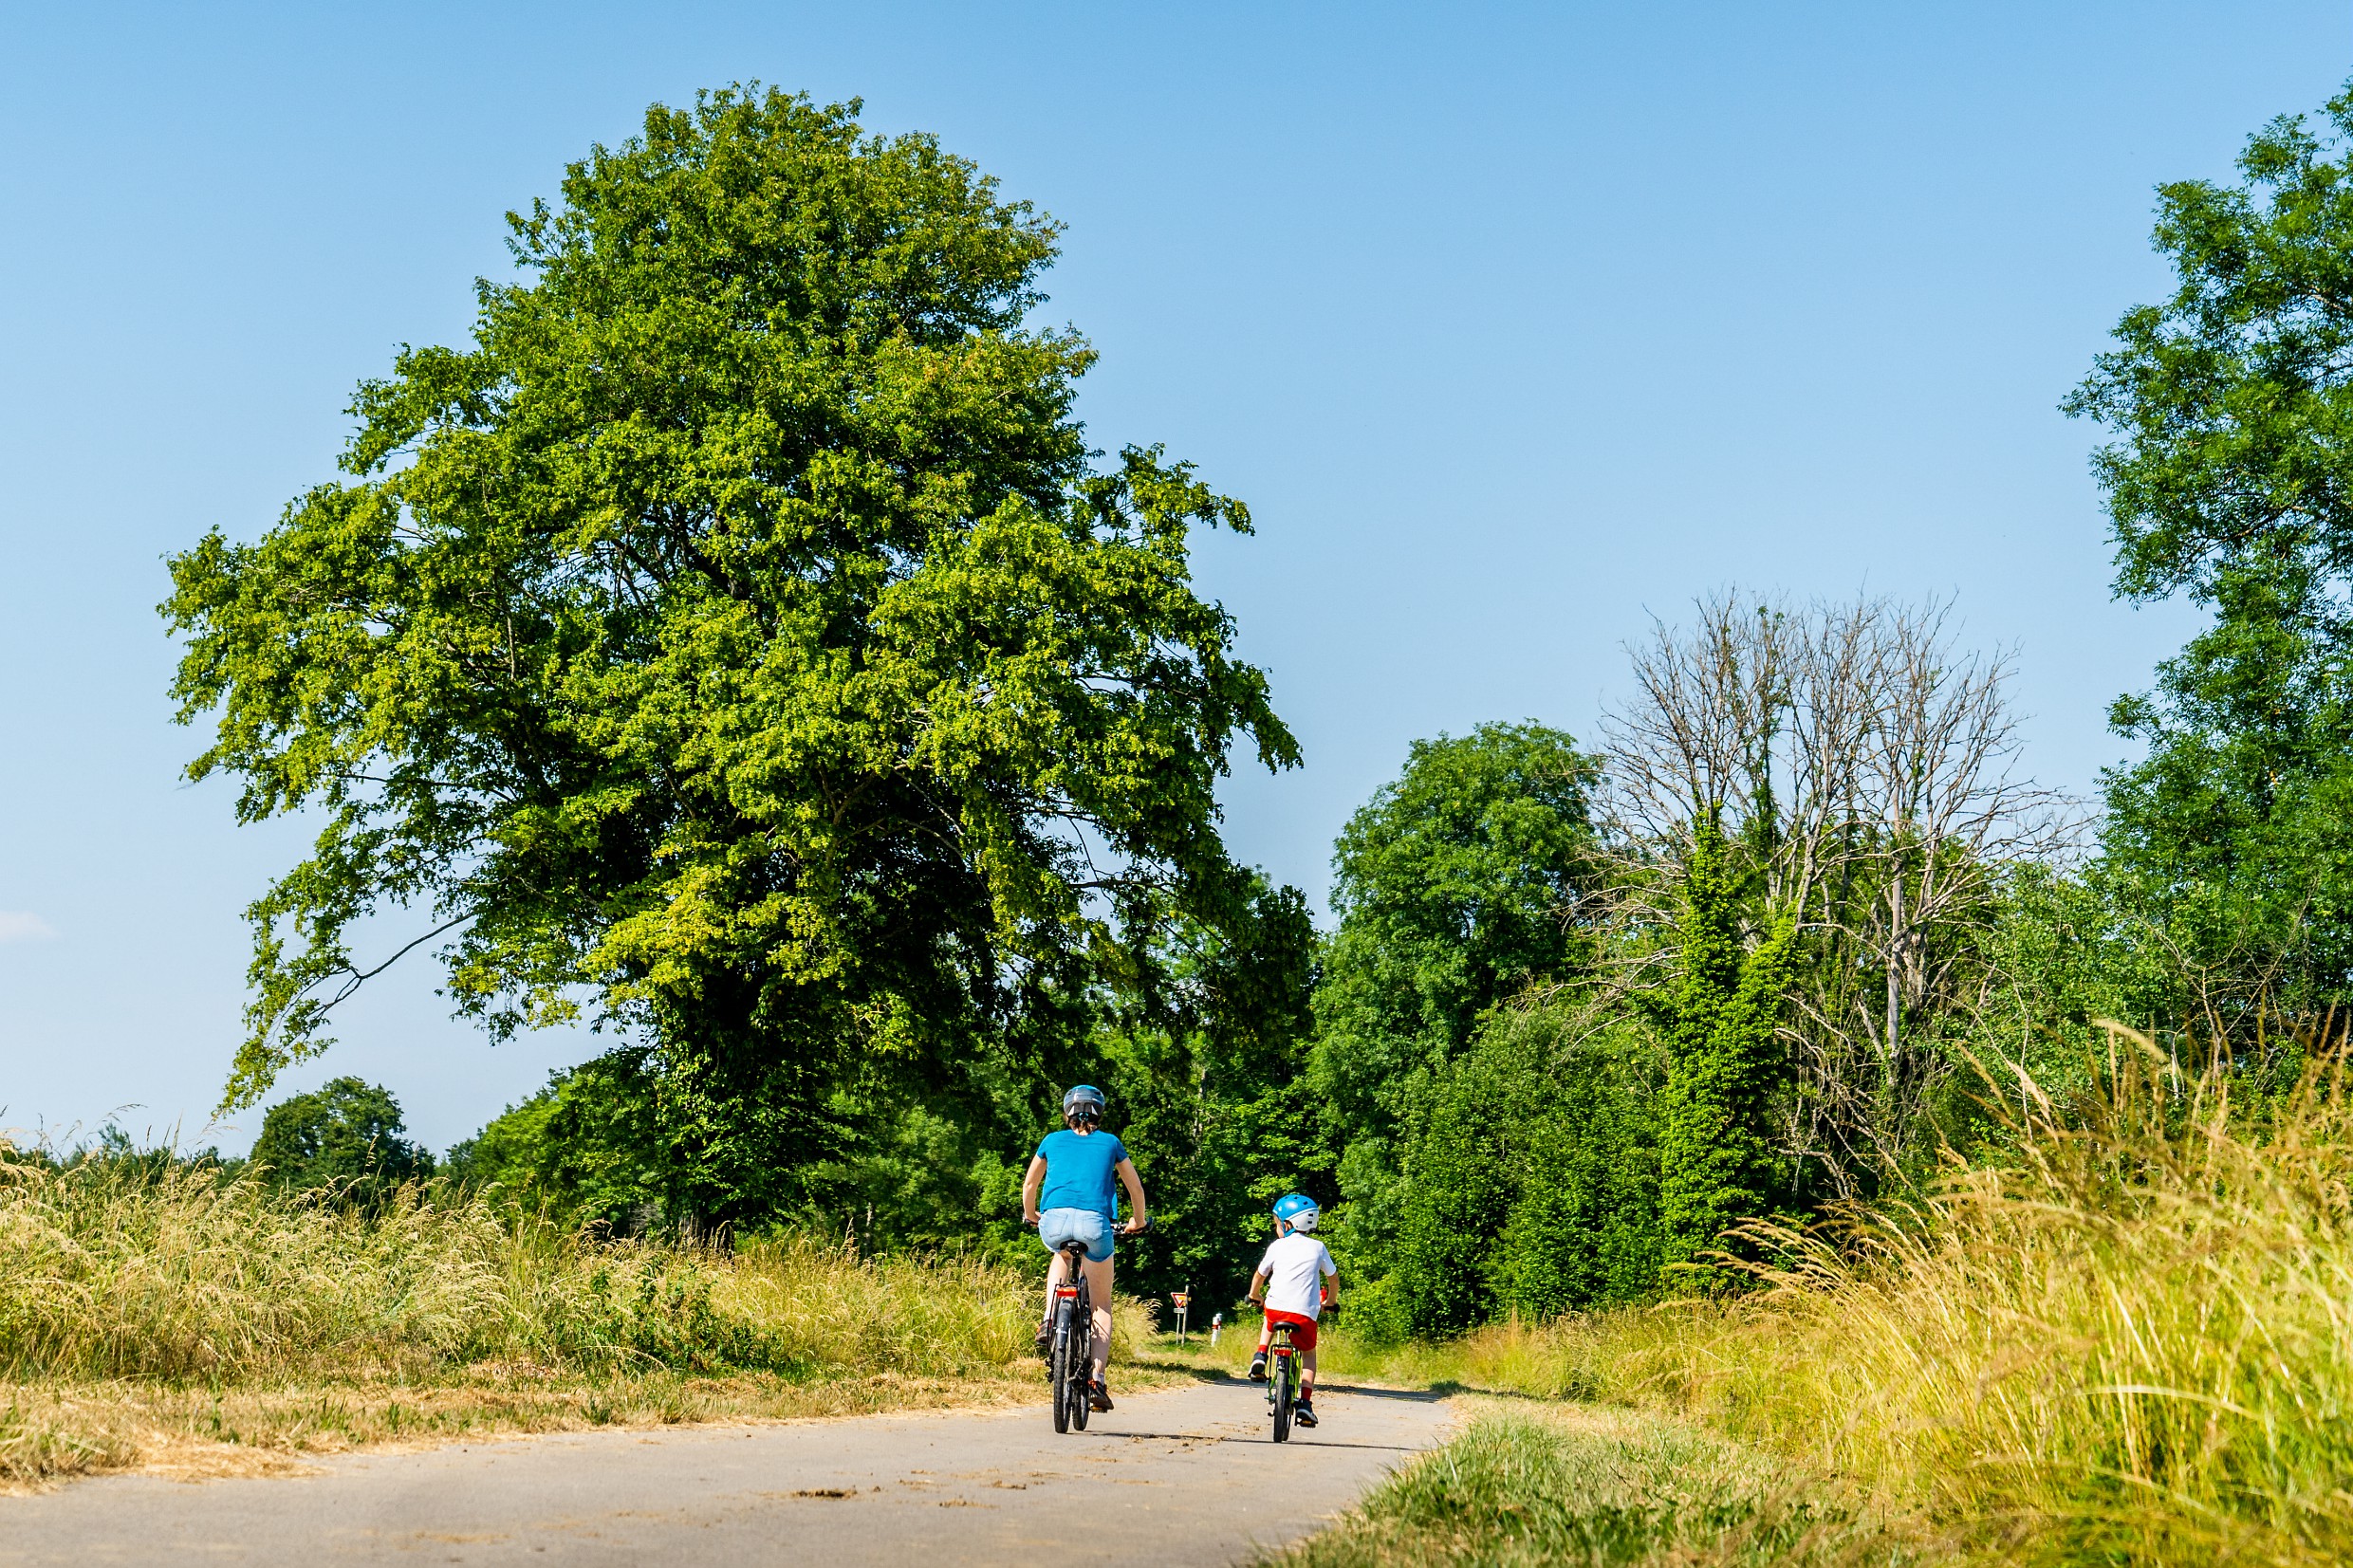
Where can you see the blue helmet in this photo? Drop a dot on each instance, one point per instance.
(1298, 1211)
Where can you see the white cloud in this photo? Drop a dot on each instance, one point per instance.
(17, 926)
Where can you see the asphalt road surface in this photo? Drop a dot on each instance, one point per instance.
(1186, 1477)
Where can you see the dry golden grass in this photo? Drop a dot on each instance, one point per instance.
(158, 1316)
(2131, 1342)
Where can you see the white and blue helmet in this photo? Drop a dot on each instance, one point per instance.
(1297, 1210)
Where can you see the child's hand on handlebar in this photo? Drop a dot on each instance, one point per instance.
(1136, 1227)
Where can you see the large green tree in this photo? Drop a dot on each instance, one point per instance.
(737, 641)
(2230, 480)
(1463, 882)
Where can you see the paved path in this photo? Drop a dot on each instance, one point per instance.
(1172, 1480)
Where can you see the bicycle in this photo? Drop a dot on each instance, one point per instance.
(1070, 1360)
(1282, 1380)
(1072, 1357)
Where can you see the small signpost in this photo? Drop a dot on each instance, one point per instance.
(1216, 1321)
(1183, 1299)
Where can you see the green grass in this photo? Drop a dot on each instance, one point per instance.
(1599, 1489)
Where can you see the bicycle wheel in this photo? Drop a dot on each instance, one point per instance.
(1083, 1365)
(1283, 1376)
(1060, 1367)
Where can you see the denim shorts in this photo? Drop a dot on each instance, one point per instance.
(1058, 1227)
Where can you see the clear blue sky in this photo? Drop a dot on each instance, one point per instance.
(1514, 325)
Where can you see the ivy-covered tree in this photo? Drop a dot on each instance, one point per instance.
(1717, 1163)
(737, 642)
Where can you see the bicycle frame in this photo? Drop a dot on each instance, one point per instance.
(1281, 1379)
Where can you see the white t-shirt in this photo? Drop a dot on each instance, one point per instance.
(1291, 1266)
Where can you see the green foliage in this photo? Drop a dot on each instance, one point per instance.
(1530, 1181)
(1206, 1091)
(2232, 480)
(1585, 1230)
(1458, 885)
(1455, 1194)
(1716, 1157)
(588, 1146)
(2070, 948)
(344, 1139)
(1203, 1084)
(736, 641)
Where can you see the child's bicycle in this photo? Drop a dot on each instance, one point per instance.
(1282, 1380)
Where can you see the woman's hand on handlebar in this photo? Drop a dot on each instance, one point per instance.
(1137, 1227)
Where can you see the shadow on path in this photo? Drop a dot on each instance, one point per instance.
(1257, 1437)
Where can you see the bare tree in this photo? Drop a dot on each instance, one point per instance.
(1866, 769)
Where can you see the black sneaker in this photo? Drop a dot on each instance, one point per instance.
(1044, 1341)
(1304, 1414)
(1098, 1396)
(1258, 1367)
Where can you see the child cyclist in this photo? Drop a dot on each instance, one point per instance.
(1297, 1281)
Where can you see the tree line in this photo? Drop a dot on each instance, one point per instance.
(738, 646)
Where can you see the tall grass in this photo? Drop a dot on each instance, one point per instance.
(2127, 1338)
(161, 1271)
(2132, 1337)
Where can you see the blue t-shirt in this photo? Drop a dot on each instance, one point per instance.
(1079, 1171)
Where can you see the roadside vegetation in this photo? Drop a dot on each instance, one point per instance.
(802, 698)
(1597, 1487)
(157, 1311)
(2128, 1339)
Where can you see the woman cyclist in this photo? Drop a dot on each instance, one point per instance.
(1068, 1195)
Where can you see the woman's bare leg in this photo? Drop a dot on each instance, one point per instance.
(1098, 1291)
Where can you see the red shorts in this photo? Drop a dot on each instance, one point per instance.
(1302, 1329)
